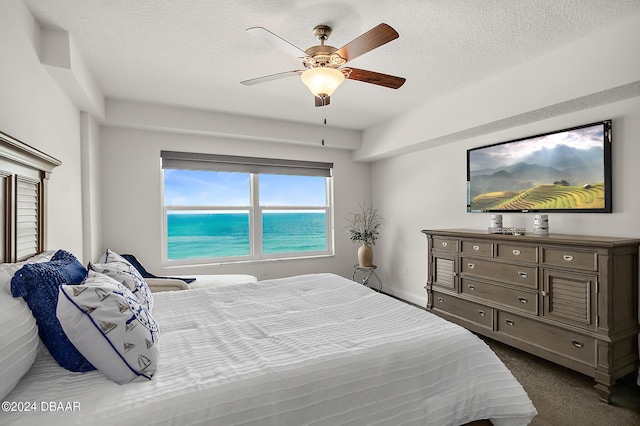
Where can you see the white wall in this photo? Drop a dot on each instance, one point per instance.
(427, 190)
(35, 110)
(419, 183)
(131, 196)
(590, 71)
(91, 206)
(420, 175)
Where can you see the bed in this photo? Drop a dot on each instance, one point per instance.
(313, 349)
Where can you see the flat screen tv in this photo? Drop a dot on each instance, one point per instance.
(566, 170)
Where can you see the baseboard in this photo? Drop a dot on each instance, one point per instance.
(405, 296)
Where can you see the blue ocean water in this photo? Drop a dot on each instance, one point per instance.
(205, 235)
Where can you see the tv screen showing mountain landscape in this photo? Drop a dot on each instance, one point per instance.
(567, 170)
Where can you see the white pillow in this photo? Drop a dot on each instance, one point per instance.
(7, 270)
(18, 341)
(118, 268)
(18, 331)
(110, 328)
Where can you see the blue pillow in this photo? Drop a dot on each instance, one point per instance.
(37, 284)
(72, 271)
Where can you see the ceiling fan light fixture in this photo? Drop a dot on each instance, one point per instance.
(322, 81)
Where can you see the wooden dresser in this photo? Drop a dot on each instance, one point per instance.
(567, 298)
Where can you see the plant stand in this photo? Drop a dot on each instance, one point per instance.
(366, 275)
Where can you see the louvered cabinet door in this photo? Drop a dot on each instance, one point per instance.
(445, 272)
(570, 298)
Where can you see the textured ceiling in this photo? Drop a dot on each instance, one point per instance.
(194, 53)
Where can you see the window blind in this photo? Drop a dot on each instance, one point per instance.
(233, 163)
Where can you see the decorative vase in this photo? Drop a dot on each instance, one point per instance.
(365, 256)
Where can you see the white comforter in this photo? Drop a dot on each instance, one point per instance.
(306, 350)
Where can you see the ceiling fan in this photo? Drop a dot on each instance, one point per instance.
(324, 65)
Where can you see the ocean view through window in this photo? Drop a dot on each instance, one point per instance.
(226, 216)
(207, 235)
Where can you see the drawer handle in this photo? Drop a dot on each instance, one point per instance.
(522, 274)
(577, 344)
(444, 244)
(440, 299)
(472, 287)
(476, 248)
(510, 323)
(567, 257)
(516, 252)
(481, 313)
(522, 299)
(471, 265)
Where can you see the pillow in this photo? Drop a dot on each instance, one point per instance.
(7, 270)
(37, 284)
(18, 331)
(111, 328)
(118, 268)
(18, 342)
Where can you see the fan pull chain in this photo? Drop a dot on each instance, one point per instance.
(324, 119)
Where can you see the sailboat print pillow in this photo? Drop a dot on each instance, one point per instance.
(110, 327)
(119, 268)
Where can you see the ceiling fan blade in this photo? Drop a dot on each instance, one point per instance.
(372, 77)
(322, 101)
(373, 38)
(270, 77)
(276, 41)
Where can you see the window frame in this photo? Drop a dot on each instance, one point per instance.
(255, 210)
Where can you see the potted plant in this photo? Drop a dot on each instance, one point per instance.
(364, 229)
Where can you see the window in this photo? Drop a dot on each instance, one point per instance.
(226, 208)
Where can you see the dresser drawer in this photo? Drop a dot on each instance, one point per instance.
(481, 248)
(514, 298)
(563, 342)
(517, 252)
(470, 311)
(526, 276)
(570, 258)
(445, 244)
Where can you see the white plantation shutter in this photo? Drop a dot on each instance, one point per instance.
(27, 217)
